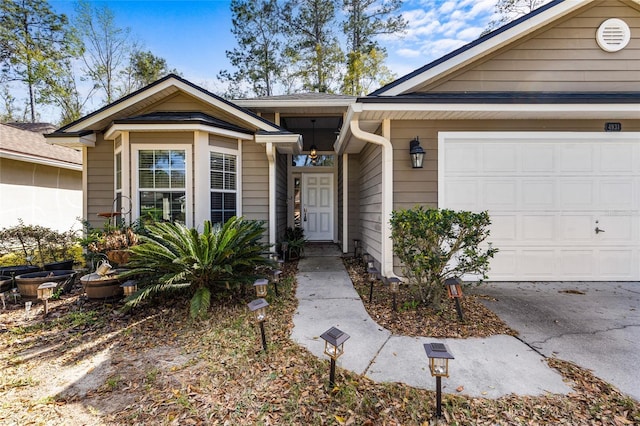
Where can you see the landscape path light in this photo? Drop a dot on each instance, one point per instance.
(439, 357)
(276, 279)
(259, 309)
(45, 292)
(129, 287)
(394, 284)
(333, 347)
(373, 276)
(454, 290)
(261, 287)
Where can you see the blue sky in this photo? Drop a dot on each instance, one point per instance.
(193, 35)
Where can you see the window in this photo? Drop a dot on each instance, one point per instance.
(223, 169)
(303, 160)
(162, 177)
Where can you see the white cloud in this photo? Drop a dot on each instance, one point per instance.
(408, 53)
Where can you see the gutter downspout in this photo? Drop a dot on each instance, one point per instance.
(387, 186)
(271, 158)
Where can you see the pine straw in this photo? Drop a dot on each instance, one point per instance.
(169, 370)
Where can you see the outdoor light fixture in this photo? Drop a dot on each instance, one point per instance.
(439, 357)
(129, 287)
(454, 290)
(373, 275)
(357, 248)
(261, 287)
(45, 292)
(276, 279)
(417, 153)
(394, 284)
(259, 309)
(314, 149)
(334, 347)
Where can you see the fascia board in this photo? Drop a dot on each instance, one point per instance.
(431, 107)
(73, 141)
(39, 160)
(116, 129)
(488, 46)
(292, 138)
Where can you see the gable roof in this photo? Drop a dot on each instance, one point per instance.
(24, 145)
(135, 103)
(490, 42)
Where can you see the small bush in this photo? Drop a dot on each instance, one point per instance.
(434, 245)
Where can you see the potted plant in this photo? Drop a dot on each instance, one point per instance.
(114, 243)
(294, 242)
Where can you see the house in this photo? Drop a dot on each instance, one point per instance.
(39, 183)
(537, 122)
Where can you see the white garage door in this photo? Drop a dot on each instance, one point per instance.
(564, 206)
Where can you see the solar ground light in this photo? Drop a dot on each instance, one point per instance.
(454, 290)
(129, 287)
(45, 292)
(261, 287)
(334, 347)
(394, 284)
(439, 357)
(259, 309)
(276, 279)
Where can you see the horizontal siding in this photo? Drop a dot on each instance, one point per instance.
(100, 184)
(353, 218)
(563, 58)
(370, 196)
(255, 187)
(281, 195)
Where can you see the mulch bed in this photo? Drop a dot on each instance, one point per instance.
(412, 320)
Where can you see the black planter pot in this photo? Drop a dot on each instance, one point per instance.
(64, 265)
(6, 282)
(28, 283)
(18, 270)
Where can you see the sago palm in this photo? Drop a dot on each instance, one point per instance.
(173, 257)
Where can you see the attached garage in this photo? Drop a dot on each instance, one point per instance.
(564, 205)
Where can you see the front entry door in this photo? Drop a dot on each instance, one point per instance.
(317, 206)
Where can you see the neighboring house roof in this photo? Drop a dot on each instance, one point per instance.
(34, 127)
(308, 96)
(32, 147)
(508, 98)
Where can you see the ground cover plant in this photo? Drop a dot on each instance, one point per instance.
(90, 364)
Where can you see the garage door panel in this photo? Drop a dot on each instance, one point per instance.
(576, 195)
(498, 195)
(536, 228)
(538, 194)
(546, 193)
(576, 158)
(617, 264)
(504, 227)
(538, 159)
(576, 264)
(537, 264)
(576, 228)
(499, 158)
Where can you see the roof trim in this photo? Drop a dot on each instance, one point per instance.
(28, 158)
(73, 139)
(507, 98)
(487, 43)
(159, 85)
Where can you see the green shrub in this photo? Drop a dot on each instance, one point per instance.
(36, 245)
(221, 259)
(434, 245)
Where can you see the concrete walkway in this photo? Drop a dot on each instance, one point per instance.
(484, 367)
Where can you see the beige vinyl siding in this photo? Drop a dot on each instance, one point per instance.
(184, 102)
(255, 183)
(370, 197)
(281, 195)
(100, 180)
(353, 189)
(339, 202)
(563, 58)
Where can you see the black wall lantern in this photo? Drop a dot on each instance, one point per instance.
(417, 153)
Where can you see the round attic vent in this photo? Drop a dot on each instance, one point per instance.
(613, 35)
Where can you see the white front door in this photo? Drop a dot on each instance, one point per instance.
(563, 206)
(317, 206)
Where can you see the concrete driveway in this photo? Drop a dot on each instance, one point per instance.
(593, 324)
